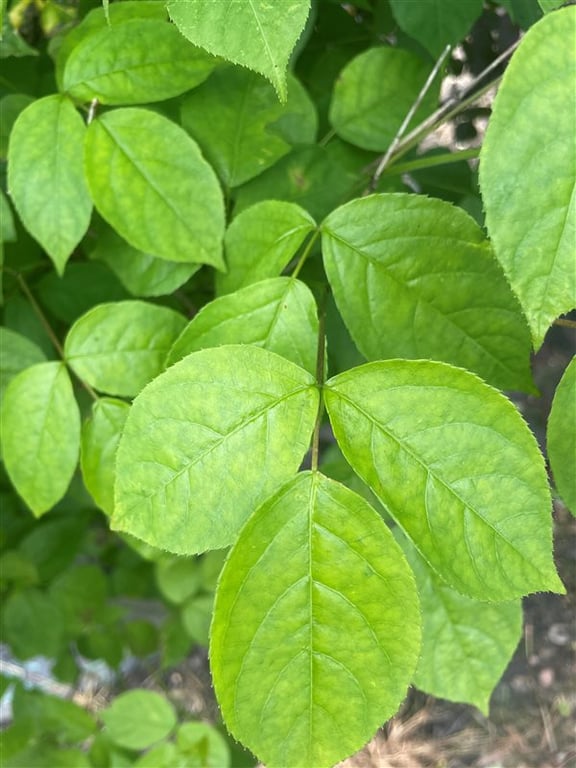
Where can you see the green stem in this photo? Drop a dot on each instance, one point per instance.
(327, 138)
(432, 160)
(320, 362)
(305, 254)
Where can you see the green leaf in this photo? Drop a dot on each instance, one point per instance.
(10, 107)
(7, 228)
(137, 719)
(46, 176)
(31, 624)
(207, 441)
(150, 182)
(278, 314)
(456, 466)
(41, 434)
(436, 23)
(241, 127)
(203, 740)
(178, 578)
(52, 716)
(17, 353)
(532, 223)
(80, 593)
(119, 347)
(423, 270)
(561, 437)
(466, 644)
(292, 686)
(100, 436)
(260, 242)
(135, 62)
(374, 93)
(550, 5)
(196, 617)
(254, 33)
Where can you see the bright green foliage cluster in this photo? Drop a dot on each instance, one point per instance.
(197, 287)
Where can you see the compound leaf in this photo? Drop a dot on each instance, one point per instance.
(151, 184)
(293, 686)
(206, 442)
(46, 176)
(561, 437)
(454, 463)
(528, 172)
(415, 277)
(119, 347)
(436, 23)
(41, 434)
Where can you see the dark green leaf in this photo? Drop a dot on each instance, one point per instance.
(17, 352)
(561, 437)
(32, 624)
(436, 23)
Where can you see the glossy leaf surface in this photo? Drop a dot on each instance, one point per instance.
(206, 442)
(292, 685)
(117, 348)
(561, 437)
(138, 718)
(415, 277)
(528, 172)
(278, 314)
(152, 185)
(436, 23)
(456, 466)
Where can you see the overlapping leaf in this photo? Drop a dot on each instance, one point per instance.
(316, 626)
(456, 466)
(528, 172)
(561, 437)
(17, 352)
(206, 442)
(414, 277)
(436, 23)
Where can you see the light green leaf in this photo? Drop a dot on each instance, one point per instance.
(454, 463)
(278, 314)
(415, 277)
(40, 434)
(260, 242)
(196, 618)
(100, 436)
(138, 718)
(206, 442)
(17, 352)
(46, 176)
(292, 686)
(203, 740)
(436, 23)
(561, 437)
(119, 347)
(135, 62)
(528, 172)
(466, 644)
(550, 5)
(374, 93)
(241, 127)
(140, 273)
(150, 182)
(254, 33)
(178, 578)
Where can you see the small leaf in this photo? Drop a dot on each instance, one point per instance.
(278, 314)
(41, 434)
(46, 176)
(415, 277)
(207, 441)
(561, 437)
(530, 137)
(171, 208)
(292, 686)
(456, 466)
(17, 353)
(436, 23)
(254, 33)
(260, 242)
(178, 578)
(119, 347)
(138, 718)
(100, 437)
(24, 612)
(374, 93)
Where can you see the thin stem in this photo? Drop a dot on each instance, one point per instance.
(429, 161)
(565, 322)
(325, 139)
(305, 254)
(320, 362)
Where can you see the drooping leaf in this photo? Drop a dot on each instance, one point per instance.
(41, 434)
(135, 62)
(561, 437)
(17, 352)
(415, 277)
(206, 442)
(278, 314)
(436, 23)
(260, 242)
(292, 685)
(254, 33)
(454, 463)
(138, 718)
(100, 436)
(46, 176)
(466, 644)
(241, 126)
(374, 93)
(150, 182)
(528, 172)
(117, 348)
